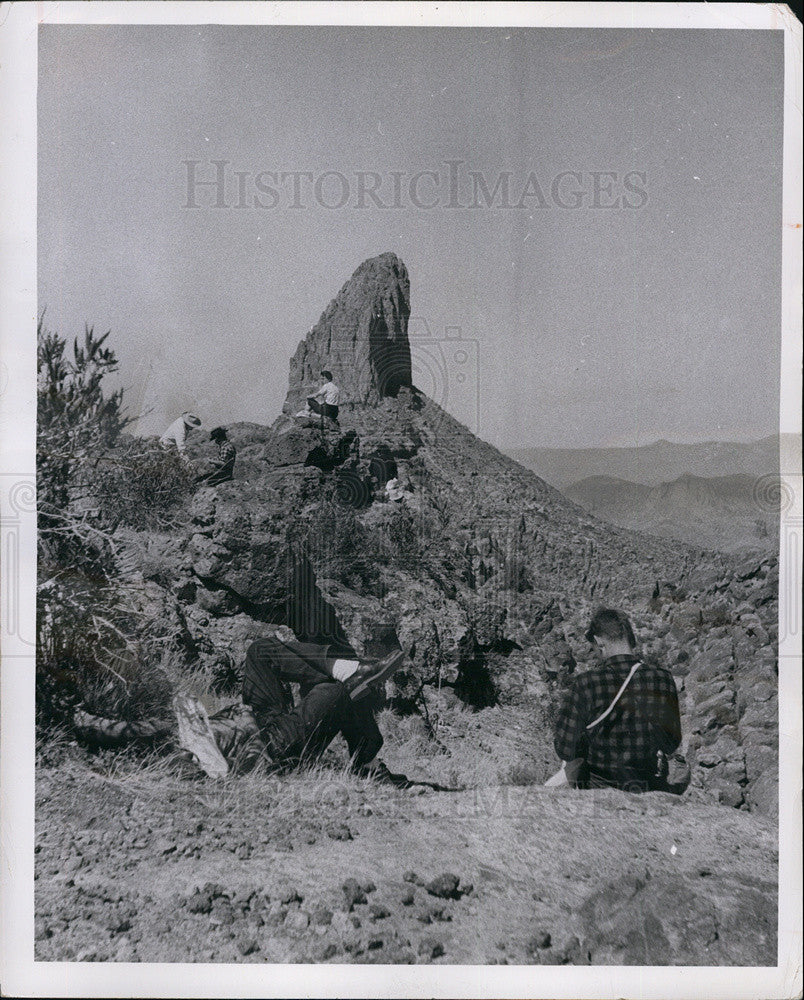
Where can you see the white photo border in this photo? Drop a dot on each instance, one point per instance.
(20, 975)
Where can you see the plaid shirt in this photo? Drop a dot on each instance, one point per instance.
(226, 452)
(644, 720)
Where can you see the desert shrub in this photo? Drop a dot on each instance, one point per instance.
(92, 646)
(75, 423)
(404, 536)
(516, 575)
(132, 685)
(337, 544)
(140, 485)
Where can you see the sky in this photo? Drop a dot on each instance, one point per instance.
(620, 284)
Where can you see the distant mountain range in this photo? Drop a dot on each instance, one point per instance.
(715, 494)
(664, 461)
(725, 513)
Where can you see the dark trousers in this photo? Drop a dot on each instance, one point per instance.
(302, 732)
(222, 474)
(325, 409)
(627, 780)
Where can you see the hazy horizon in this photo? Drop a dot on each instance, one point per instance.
(649, 310)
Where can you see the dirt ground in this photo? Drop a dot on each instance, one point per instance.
(139, 864)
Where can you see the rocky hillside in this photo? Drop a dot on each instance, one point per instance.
(726, 513)
(484, 573)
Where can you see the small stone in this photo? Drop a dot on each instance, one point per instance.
(571, 953)
(408, 898)
(276, 915)
(539, 941)
(42, 931)
(378, 911)
(222, 916)
(341, 922)
(339, 832)
(414, 878)
(243, 852)
(445, 886)
(247, 946)
(430, 948)
(353, 892)
(321, 916)
(297, 920)
(326, 952)
(369, 887)
(374, 943)
(289, 894)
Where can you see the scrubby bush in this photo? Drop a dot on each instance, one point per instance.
(141, 484)
(404, 537)
(91, 642)
(337, 544)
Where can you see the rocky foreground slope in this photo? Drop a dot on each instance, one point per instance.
(134, 867)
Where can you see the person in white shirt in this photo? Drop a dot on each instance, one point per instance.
(176, 434)
(327, 400)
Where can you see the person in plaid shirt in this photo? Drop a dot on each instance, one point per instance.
(621, 751)
(224, 470)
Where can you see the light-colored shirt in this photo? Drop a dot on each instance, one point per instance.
(329, 393)
(176, 433)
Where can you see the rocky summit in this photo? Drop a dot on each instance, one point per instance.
(483, 573)
(486, 577)
(362, 338)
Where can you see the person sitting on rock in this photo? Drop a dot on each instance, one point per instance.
(333, 699)
(619, 716)
(176, 435)
(227, 453)
(327, 400)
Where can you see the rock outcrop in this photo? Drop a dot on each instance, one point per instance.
(362, 338)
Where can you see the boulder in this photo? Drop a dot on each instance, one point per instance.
(762, 795)
(668, 920)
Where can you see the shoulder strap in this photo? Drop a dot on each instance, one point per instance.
(617, 697)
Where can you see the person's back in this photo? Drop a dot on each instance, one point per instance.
(623, 746)
(621, 749)
(176, 434)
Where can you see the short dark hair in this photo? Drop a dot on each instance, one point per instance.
(217, 434)
(608, 623)
(326, 373)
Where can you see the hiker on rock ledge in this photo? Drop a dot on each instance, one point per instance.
(620, 720)
(224, 470)
(176, 435)
(327, 400)
(333, 689)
